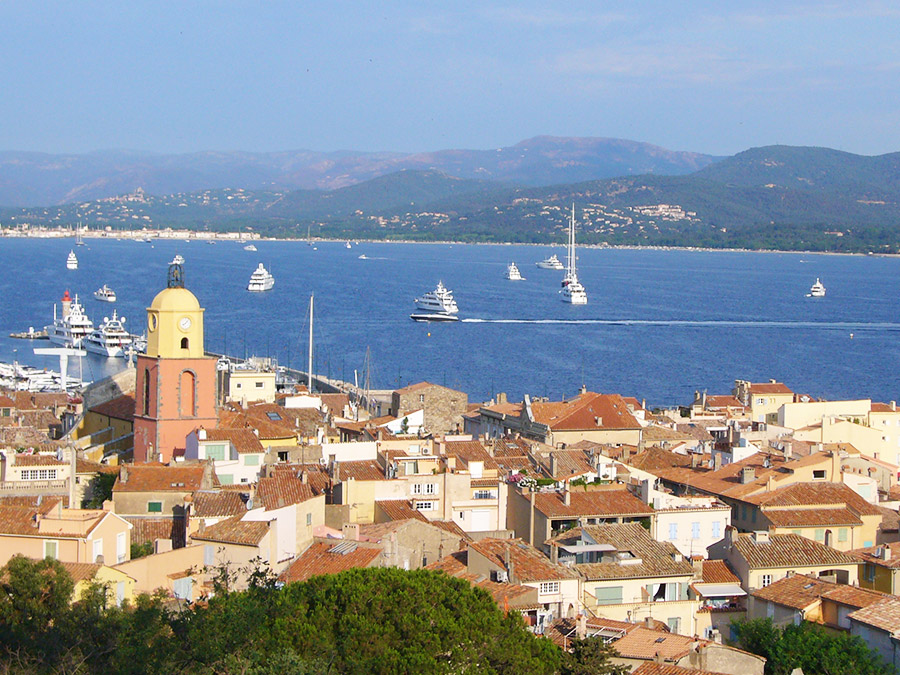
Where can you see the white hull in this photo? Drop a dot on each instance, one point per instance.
(439, 300)
(551, 263)
(573, 291)
(261, 280)
(513, 274)
(104, 350)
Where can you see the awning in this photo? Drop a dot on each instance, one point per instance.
(719, 590)
(588, 548)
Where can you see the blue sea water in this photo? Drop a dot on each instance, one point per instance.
(658, 325)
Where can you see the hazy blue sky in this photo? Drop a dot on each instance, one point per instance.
(714, 77)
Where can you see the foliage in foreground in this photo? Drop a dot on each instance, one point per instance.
(360, 621)
(810, 647)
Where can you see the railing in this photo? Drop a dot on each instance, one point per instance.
(32, 486)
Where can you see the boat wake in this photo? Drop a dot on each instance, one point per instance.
(836, 325)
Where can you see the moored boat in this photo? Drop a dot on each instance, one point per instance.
(551, 263)
(513, 273)
(105, 294)
(109, 338)
(261, 279)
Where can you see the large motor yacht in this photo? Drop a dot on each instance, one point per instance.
(110, 338)
(817, 290)
(73, 326)
(438, 300)
(513, 273)
(572, 289)
(105, 294)
(261, 279)
(551, 263)
(71, 261)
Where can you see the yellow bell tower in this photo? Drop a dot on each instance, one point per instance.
(175, 384)
(175, 321)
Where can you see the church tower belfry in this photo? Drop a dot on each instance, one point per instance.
(175, 382)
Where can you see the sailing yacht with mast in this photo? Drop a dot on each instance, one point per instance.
(572, 290)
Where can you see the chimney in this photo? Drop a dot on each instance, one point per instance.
(626, 454)
(748, 475)
(501, 397)
(761, 536)
(554, 465)
(788, 451)
(694, 460)
(581, 630)
(770, 483)
(717, 461)
(729, 537)
(304, 478)
(893, 405)
(336, 472)
(201, 434)
(703, 399)
(567, 496)
(123, 473)
(351, 531)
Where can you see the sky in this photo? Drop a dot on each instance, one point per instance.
(712, 77)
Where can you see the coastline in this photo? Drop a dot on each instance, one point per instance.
(241, 238)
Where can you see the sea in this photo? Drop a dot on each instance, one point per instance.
(659, 324)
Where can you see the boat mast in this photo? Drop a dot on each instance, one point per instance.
(310, 370)
(570, 263)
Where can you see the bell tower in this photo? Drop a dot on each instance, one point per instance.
(175, 382)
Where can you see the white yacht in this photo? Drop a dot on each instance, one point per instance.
(261, 279)
(177, 260)
(572, 290)
(438, 300)
(348, 245)
(513, 274)
(110, 338)
(817, 290)
(72, 261)
(250, 247)
(105, 294)
(72, 327)
(551, 263)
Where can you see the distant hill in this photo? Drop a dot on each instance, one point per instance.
(765, 198)
(36, 179)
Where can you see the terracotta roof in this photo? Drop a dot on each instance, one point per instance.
(882, 407)
(854, 596)
(586, 411)
(568, 463)
(148, 530)
(81, 571)
(512, 596)
(798, 591)
(120, 408)
(769, 388)
(18, 520)
(814, 494)
(642, 643)
(419, 386)
(87, 466)
(529, 564)
(653, 668)
(159, 478)
(268, 430)
(648, 557)
(451, 527)
(243, 440)
(812, 517)
(40, 503)
(330, 557)
(455, 564)
(872, 554)
(6, 401)
(884, 615)
(718, 572)
(512, 447)
(470, 451)
(364, 469)
(399, 509)
(39, 460)
(282, 489)
(788, 550)
(218, 504)
(720, 401)
(335, 402)
(654, 458)
(234, 531)
(611, 502)
(654, 433)
(563, 631)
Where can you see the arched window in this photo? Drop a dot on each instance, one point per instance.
(146, 391)
(187, 394)
(184, 343)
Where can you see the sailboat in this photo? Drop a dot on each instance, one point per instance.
(572, 290)
(78, 239)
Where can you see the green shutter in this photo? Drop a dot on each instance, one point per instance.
(608, 595)
(154, 507)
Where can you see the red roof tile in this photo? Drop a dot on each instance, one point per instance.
(330, 557)
(586, 411)
(528, 563)
(365, 469)
(598, 503)
(234, 531)
(159, 478)
(120, 408)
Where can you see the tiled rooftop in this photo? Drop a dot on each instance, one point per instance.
(603, 502)
(788, 550)
(528, 563)
(884, 615)
(586, 411)
(234, 531)
(330, 557)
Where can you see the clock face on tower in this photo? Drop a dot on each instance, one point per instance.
(185, 323)
(151, 322)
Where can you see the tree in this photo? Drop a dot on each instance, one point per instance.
(810, 647)
(591, 656)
